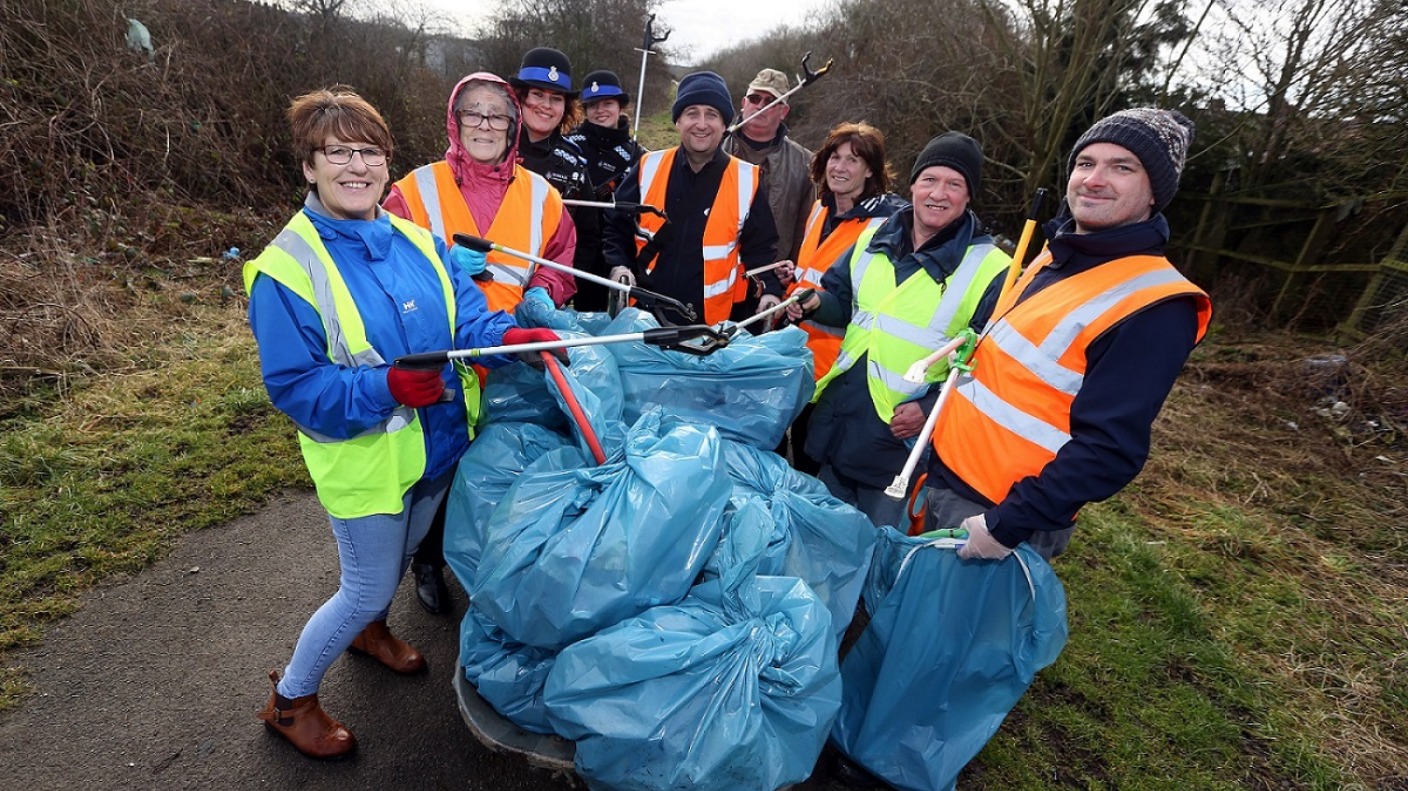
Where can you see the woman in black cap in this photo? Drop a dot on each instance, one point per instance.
(550, 110)
(605, 139)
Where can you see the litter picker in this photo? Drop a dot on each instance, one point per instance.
(958, 350)
(807, 77)
(731, 329)
(621, 206)
(647, 48)
(655, 303)
(697, 339)
(1028, 229)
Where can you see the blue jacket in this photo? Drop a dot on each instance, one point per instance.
(1129, 372)
(402, 304)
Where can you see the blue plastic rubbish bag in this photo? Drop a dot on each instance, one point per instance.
(573, 549)
(950, 649)
(493, 462)
(751, 390)
(733, 688)
(811, 535)
(520, 393)
(508, 675)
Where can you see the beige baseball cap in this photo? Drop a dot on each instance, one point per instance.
(769, 81)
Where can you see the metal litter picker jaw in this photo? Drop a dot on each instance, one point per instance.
(959, 351)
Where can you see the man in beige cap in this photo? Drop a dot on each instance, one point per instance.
(762, 140)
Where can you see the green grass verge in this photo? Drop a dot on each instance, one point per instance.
(101, 481)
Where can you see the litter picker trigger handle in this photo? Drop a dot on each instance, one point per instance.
(474, 243)
(422, 361)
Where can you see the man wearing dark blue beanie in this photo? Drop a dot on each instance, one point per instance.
(1027, 442)
(719, 220)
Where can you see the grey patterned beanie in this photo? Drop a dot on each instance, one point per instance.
(1159, 138)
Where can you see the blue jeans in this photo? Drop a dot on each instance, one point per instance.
(374, 552)
(870, 501)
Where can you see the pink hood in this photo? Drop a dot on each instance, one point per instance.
(461, 164)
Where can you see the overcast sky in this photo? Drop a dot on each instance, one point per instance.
(698, 28)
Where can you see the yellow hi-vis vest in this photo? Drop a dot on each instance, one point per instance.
(370, 473)
(813, 259)
(896, 326)
(526, 221)
(723, 278)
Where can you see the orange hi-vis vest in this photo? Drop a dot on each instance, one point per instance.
(526, 221)
(724, 283)
(813, 259)
(1006, 419)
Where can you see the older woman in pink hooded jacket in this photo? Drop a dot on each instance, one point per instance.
(480, 189)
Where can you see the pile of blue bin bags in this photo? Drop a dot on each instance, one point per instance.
(676, 610)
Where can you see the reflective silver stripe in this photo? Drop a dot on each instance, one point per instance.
(863, 319)
(836, 332)
(818, 212)
(893, 380)
(747, 178)
(400, 418)
(507, 273)
(539, 200)
(1063, 334)
(859, 266)
(303, 254)
(844, 360)
(1009, 417)
(430, 196)
(724, 286)
(956, 288)
(649, 167)
(1048, 370)
(713, 252)
(929, 337)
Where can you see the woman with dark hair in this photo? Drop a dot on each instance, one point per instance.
(853, 181)
(343, 290)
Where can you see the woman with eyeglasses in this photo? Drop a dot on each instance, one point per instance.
(480, 189)
(340, 293)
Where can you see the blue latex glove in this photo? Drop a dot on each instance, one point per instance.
(471, 261)
(540, 295)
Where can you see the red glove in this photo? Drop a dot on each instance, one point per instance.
(516, 335)
(415, 387)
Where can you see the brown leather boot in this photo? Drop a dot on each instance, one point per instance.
(377, 642)
(307, 727)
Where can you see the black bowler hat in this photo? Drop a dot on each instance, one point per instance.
(546, 68)
(603, 84)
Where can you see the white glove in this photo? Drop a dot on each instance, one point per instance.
(623, 274)
(981, 545)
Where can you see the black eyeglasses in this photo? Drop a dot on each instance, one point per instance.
(342, 155)
(759, 99)
(472, 119)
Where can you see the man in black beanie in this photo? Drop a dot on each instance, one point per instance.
(1068, 379)
(719, 219)
(903, 290)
